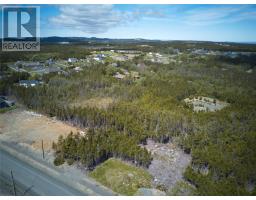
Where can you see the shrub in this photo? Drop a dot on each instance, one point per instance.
(70, 161)
(58, 161)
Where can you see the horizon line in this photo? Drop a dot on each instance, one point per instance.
(164, 40)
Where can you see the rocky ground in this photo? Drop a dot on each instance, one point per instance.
(169, 163)
(206, 104)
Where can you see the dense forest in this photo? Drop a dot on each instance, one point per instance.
(222, 142)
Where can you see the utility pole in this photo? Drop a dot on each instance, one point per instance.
(43, 148)
(13, 184)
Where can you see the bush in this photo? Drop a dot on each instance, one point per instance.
(70, 161)
(162, 187)
(58, 161)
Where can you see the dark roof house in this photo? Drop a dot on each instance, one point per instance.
(5, 104)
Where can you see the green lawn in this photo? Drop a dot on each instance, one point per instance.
(121, 177)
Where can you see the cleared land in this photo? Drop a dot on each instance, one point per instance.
(168, 164)
(23, 131)
(29, 129)
(121, 177)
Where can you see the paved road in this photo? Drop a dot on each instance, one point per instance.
(35, 181)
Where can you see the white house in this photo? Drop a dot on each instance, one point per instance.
(119, 76)
(29, 83)
(72, 60)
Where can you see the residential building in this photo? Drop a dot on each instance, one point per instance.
(29, 83)
(72, 60)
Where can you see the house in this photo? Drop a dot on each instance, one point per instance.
(119, 76)
(72, 60)
(78, 69)
(96, 58)
(158, 55)
(99, 57)
(4, 103)
(29, 83)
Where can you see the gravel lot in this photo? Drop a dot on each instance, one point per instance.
(169, 163)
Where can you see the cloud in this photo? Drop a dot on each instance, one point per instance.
(152, 13)
(98, 18)
(89, 18)
(219, 14)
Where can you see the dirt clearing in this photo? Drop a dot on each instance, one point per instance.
(29, 129)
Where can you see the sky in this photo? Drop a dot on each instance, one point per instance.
(234, 23)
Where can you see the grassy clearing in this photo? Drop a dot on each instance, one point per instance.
(121, 177)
